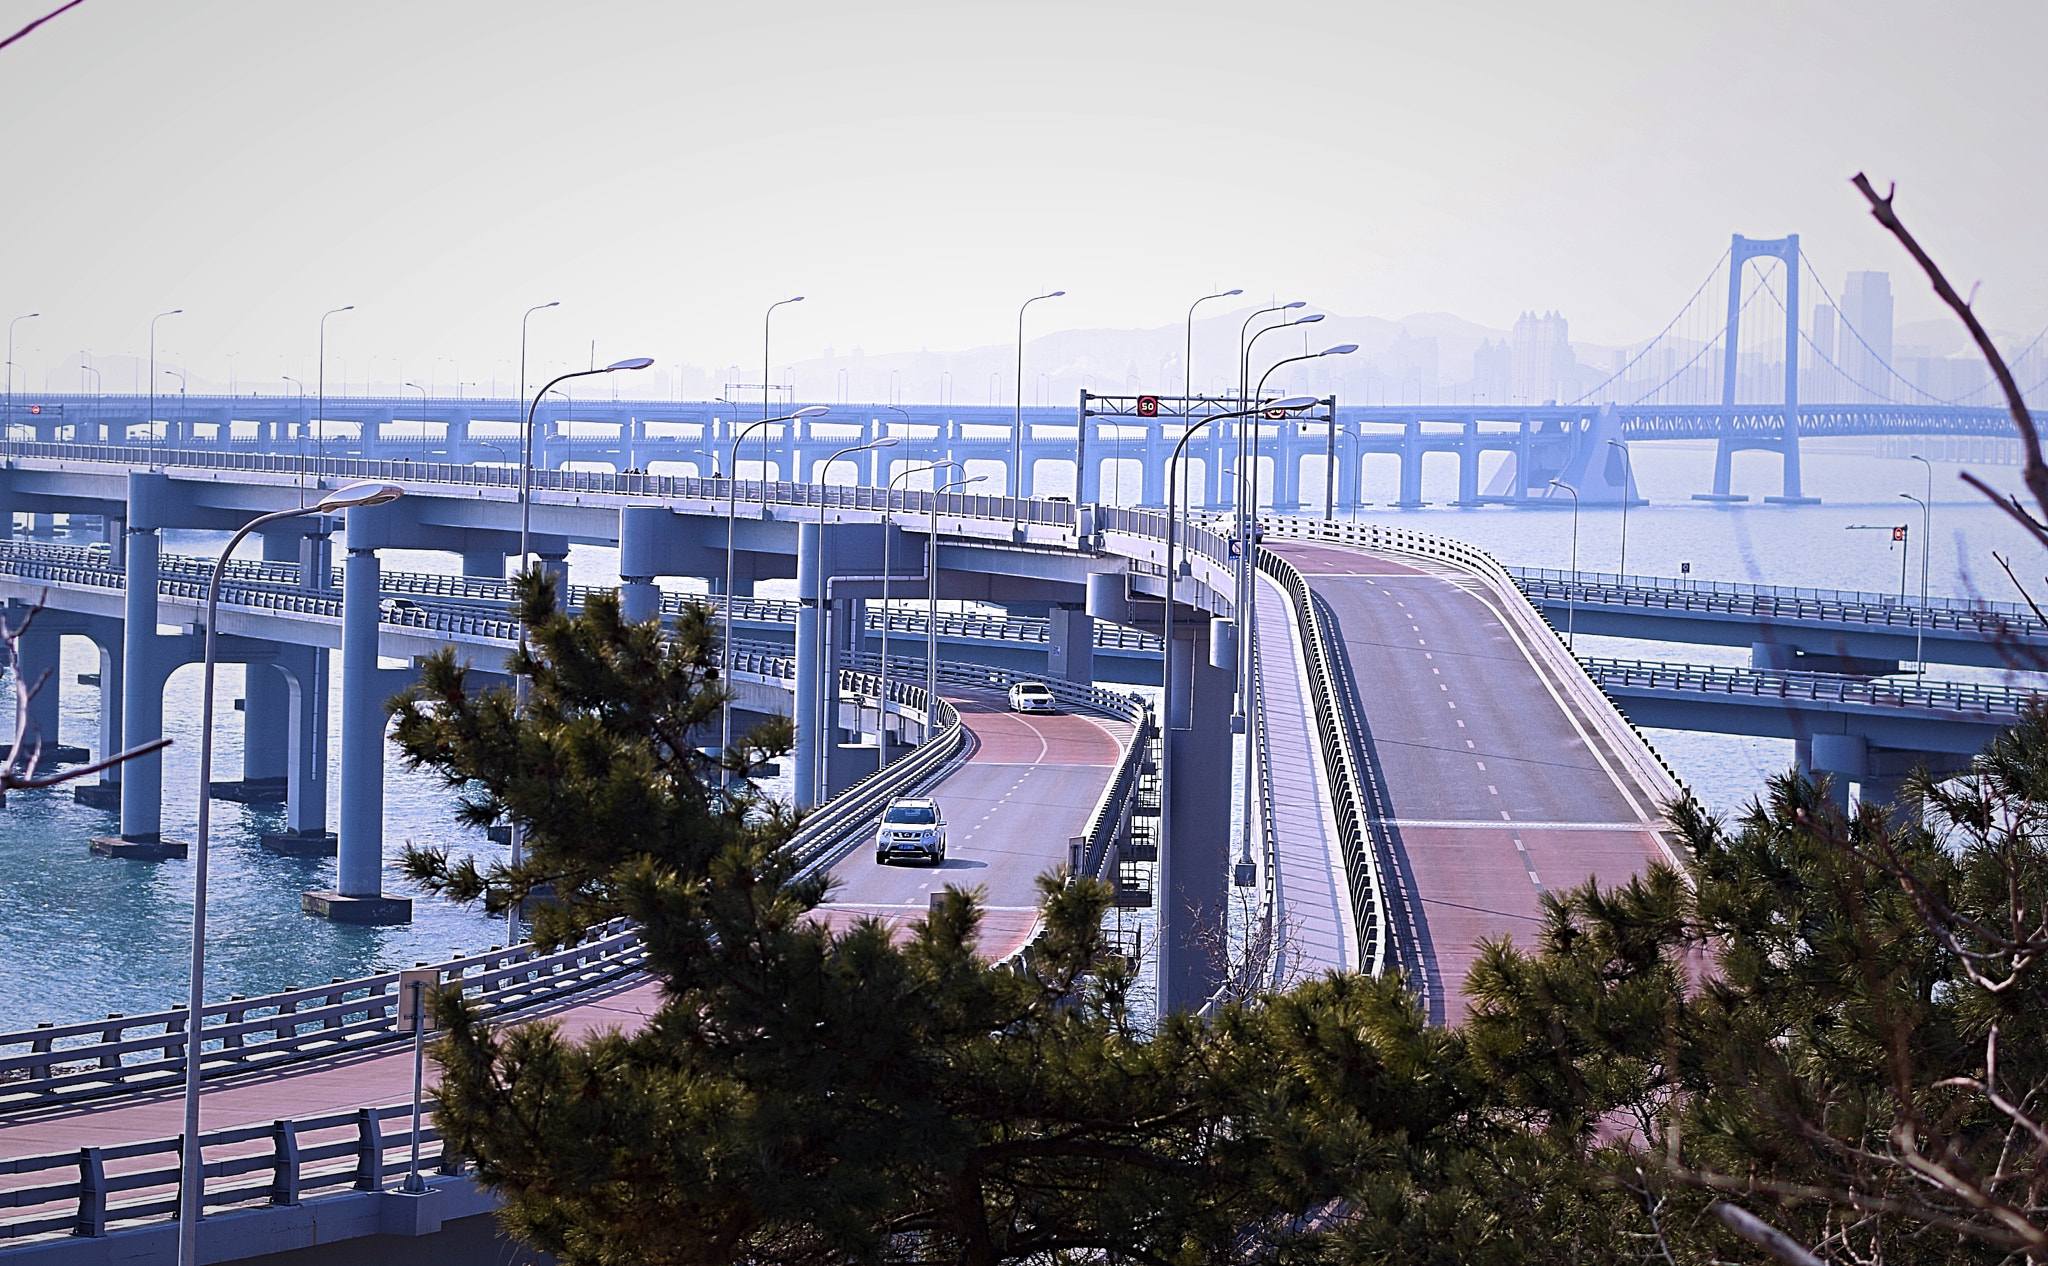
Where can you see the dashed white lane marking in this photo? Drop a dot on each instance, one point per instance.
(1478, 824)
(1492, 790)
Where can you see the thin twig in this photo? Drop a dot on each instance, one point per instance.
(2036, 472)
(39, 21)
(1765, 1236)
(2017, 585)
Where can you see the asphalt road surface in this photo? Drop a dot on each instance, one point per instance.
(1500, 782)
(1029, 786)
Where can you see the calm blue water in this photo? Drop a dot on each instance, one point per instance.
(85, 936)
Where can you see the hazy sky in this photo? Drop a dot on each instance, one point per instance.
(665, 170)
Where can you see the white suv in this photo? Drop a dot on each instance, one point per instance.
(912, 826)
(1032, 696)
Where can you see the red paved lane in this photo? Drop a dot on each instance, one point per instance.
(1029, 786)
(1503, 775)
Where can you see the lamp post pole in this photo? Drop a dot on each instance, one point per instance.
(149, 422)
(1017, 431)
(1187, 381)
(732, 488)
(1919, 629)
(766, 318)
(1166, 725)
(1628, 483)
(191, 1194)
(882, 695)
(423, 419)
(817, 718)
(320, 395)
(931, 589)
(8, 428)
(1926, 537)
(1571, 595)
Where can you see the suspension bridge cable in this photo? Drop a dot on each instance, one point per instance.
(1847, 325)
(1712, 273)
(1705, 347)
(2014, 359)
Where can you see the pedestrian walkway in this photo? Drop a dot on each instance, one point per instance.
(1318, 931)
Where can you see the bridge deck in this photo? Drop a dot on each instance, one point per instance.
(1318, 928)
(1029, 786)
(1504, 773)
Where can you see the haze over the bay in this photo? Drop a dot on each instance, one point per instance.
(917, 170)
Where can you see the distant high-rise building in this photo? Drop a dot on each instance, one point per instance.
(1412, 369)
(1820, 381)
(1543, 359)
(1493, 372)
(1866, 343)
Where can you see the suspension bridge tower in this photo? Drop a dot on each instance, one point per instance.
(1751, 428)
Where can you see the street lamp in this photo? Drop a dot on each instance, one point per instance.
(98, 390)
(766, 317)
(423, 418)
(1187, 360)
(931, 588)
(320, 398)
(817, 718)
(882, 695)
(1330, 448)
(1926, 527)
(149, 422)
(538, 307)
(1017, 434)
(1166, 662)
(191, 1196)
(732, 492)
(1571, 595)
(1628, 483)
(1926, 536)
(526, 451)
(8, 428)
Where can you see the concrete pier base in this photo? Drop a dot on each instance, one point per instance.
(98, 795)
(328, 904)
(153, 850)
(301, 844)
(251, 790)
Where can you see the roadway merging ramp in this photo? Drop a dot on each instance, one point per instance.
(1498, 771)
(1028, 785)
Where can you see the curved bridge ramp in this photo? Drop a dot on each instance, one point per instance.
(1028, 785)
(1500, 772)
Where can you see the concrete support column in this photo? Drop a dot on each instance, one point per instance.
(809, 584)
(358, 894)
(110, 712)
(1286, 469)
(38, 656)
(142, 694)
(639, 599)
(1070, 655)
(1411, 466)
(487, 565)
(557, 566)
(266, 729)
(306, 755)
(1195, 860)
(1468, 467)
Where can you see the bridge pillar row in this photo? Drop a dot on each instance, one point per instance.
(358, 893)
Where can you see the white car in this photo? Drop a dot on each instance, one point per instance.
(1032, 696)
(912, 826)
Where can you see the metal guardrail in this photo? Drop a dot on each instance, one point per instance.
(54, 1064)
(2002, 704)
(291, 1160)
(1767, 602)
(1364, 865)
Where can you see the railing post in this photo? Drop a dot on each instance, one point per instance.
(369, 1151)
(92, 1194)
(284, 1174)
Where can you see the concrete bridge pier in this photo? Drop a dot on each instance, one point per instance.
(485, 565)
(1411, 466)
(1877, 772)
(1070, 654)
(144, 667)
(38, 657)
(848, 759)
(809, 585)
(1194, 859)
(358, 895)
(301, 676)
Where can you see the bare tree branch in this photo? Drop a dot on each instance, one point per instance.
(1765, 1236)
(39, 21)
(2000, 559)
(2036, 472)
